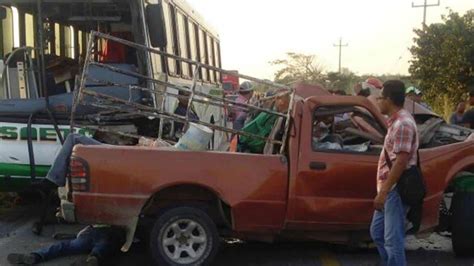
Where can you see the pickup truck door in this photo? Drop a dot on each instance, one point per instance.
(333, 187)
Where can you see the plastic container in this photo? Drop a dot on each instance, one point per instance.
(196, 138)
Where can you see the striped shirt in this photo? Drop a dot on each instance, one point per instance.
(402, 136)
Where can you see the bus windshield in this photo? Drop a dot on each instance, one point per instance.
(56, 34)
(53, 36)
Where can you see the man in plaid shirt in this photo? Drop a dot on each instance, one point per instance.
(401, 145)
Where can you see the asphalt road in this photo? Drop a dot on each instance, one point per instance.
(16, 236)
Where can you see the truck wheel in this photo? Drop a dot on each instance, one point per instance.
(463, 223)
(184, 236)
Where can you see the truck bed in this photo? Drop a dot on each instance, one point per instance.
(122, 180)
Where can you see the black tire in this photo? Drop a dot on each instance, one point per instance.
(463, 223)
(163, 229)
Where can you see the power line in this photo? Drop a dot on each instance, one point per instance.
(340, 45)
(425, 6)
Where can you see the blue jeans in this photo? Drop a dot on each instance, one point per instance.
(388, 231)
(98, 242)
(58, 170)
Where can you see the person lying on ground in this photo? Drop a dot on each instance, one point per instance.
(100, 242)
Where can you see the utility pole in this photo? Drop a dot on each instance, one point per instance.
(425, 6)
(340, 45)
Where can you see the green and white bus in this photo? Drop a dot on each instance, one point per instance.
(43, 44)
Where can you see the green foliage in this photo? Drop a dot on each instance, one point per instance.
(305, 68)
(443, 60)
(259, 87)
(342, 81)
(299, 67)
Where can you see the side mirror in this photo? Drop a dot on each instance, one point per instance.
(3, 13)
(156, 25)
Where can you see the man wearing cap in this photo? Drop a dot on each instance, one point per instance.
(416, 95)
(468, 117)
(182, 110)
(411, 93)
(239, 113)
(370, 86)
(373, 84)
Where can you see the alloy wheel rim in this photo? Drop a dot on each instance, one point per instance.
(184, 241)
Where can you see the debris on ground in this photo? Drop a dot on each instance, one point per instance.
(434, 241)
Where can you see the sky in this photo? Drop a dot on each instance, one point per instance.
(378, 32)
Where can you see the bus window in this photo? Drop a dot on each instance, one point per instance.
(203, 53)
(49, 46)
(193, 41)
(69, 41)
(57, 39)
(77, 51)
(210, 55)
(7, 33)
(30, 32)
(169, 37)
(183, 43)
(218, 60)
(81, 41)
(16, 28)
(174, 26)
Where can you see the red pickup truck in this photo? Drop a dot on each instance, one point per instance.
(315, 191)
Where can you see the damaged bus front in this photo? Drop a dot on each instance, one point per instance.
(43, 46)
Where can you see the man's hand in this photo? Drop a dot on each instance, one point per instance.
(379, 200)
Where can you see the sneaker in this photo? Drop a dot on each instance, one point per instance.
(25, 259)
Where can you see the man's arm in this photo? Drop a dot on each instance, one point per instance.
(394, 175)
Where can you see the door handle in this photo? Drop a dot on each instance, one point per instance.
(317, 166)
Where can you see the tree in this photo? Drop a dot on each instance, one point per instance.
(342, 81)
(443, 60)
(260, 87)
(299, 67)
